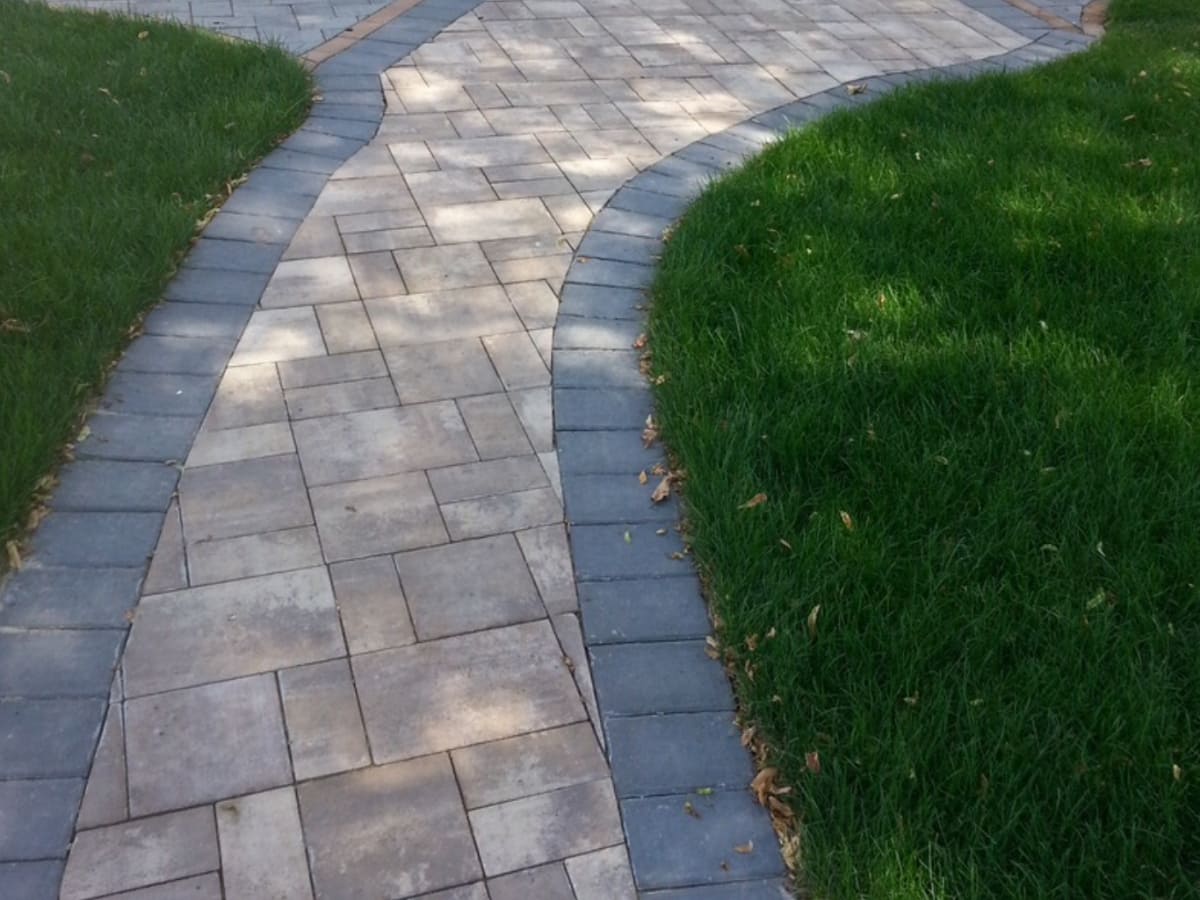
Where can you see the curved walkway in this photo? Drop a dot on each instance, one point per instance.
(357, 668)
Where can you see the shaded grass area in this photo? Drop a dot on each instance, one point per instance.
(116, 136)
(953, 338)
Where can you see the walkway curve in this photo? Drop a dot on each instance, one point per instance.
(362, 597)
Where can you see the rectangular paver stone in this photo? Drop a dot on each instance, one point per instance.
(76, 597)
(133, 854)
(219, 286)
(262, 847)
(91, 485)
(227, 630)
(602, 875)
(59, 662)
(465, 690)
(365, 841)
(36, 817)
(676, 753)
(228, 559)
(105, 799)
(596, 499)
(325, 733)
(246, 497)
(27, 727)
(649, 609)
(147, 394)
(105, 539)
(674, 676)
(376, 515)
(200, 744)
(371, 604)
(607, 552)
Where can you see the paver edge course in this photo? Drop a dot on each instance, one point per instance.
(663, 192)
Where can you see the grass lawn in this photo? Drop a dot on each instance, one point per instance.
(116, 136)
(954, 338)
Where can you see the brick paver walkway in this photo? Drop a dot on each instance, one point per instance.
(357, 668)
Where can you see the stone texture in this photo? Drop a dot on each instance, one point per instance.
(246, 497)
(35, 817)
(236, 444)
(346, 397)
(376, 515)
(60, 663)
(105, 800)
(441, 316)
(200, 744)
(71, 726)
(371, 604)
(304, 282)
(146, 851)
(442, 370)
(602, 875)
(545, 882)
(549, 558)
(482, 479)
(672, 676)
(495, 429)
(656, 754)
(227, 630)
(467, 586)
(464, 690)
(109, 540)
(168, 567)
(535, 830)
(652, 609)
(527, 765)
(248, 395)
(502, 512)
(230, 559)
(364, 841)
(325, 733)
(278, 334)
(262, 847)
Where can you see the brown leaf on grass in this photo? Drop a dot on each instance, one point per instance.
(813, 615)
(711, 648)
(756, 500)
(763, 784)
(14, 556)
(1144, 163)
(142, 35)
(7, 78)
(847, 520)
(752, 642)
(812, 762)
(785, 544)
(748, 735)
(1176, 772)
(771, 633)
(663, 491)
(745, 848)
(13, 326)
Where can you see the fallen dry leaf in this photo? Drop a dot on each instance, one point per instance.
(663, 491)
(691, 810)
(812, 762)
(13, 326)
(1144, 163)
(745, 848)
(650, 432)
(643, 477)
(752, 642)
(14, 556)
(764, 783)
(640, 342)
(813, 615)
(756, 500)
(856, 89)
(1176, 772)
(847, 520)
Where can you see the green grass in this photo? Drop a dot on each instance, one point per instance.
(116, 137)
(968, 318)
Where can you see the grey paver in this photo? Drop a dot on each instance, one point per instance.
(607, 452)
(229, 559)
(274, 335)
(36, 880)
(759, 889)
(198, 320)
(376, 515)
(597, 369)
(657, 754)
(105, 799)
(112, 539)
(602, 875)
(168, 567)
(481, 479)
(97, 485)
(364, 841)
(146, 394)
(549, 558)
(501, 512)
(382, 442)
(668, 848)
(245, 497)
(181, 355)
(238, 256)
(533, 408)
(464, 690)
(516, 360)
(442, 370)
(595, 302)
(325, 733)
(27, 727)
(59, 662)
(675, 676)
(247, 395)
(443, 268)
(345, 327)
(36, 816)
(468, 586)
(441, 316)
(228, 630)
(535, 830)
(651, 609)
(573, 333)
(494, 427)
(547, 882)
(200, 744)
(237, 444)
(317, 237)
(75, 597)
(371, 604)
(343, 397)
(488, 220)
(527, 765)
(331, 369)
(262, 847)
(219, 286)
(304, 282)
(595, 499)
(600, 409)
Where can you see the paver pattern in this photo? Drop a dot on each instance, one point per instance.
(357, 668)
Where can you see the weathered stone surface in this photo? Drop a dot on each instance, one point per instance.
(371, 604)
(325, 732)
(262, 847)
(376, 515)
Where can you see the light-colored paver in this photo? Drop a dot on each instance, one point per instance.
(359, 663)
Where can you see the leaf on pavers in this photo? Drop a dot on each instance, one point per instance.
(853, 89)
(813, 615)
(643, 477)
(650, 432)
(663, 491)
(691, 810)
(707, 791)
(628, 538)
(14, 556)
(763, 784)
(640, 342)
(711, 648)
(756, 500)
(745, 848)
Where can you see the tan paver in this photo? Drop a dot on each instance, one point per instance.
(362, 614)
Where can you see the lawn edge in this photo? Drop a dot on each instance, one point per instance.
(617, 572)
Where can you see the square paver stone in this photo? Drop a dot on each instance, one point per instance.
(377, 442)
(467, 586)
(147, 851)
(262, 847)
(247, 497)
(305, 282)
(377, 515)
(228, 630)
(201, 744)
(465, 690)
(442, 316)
(444, 268)
(441, 370)
(388, 831)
